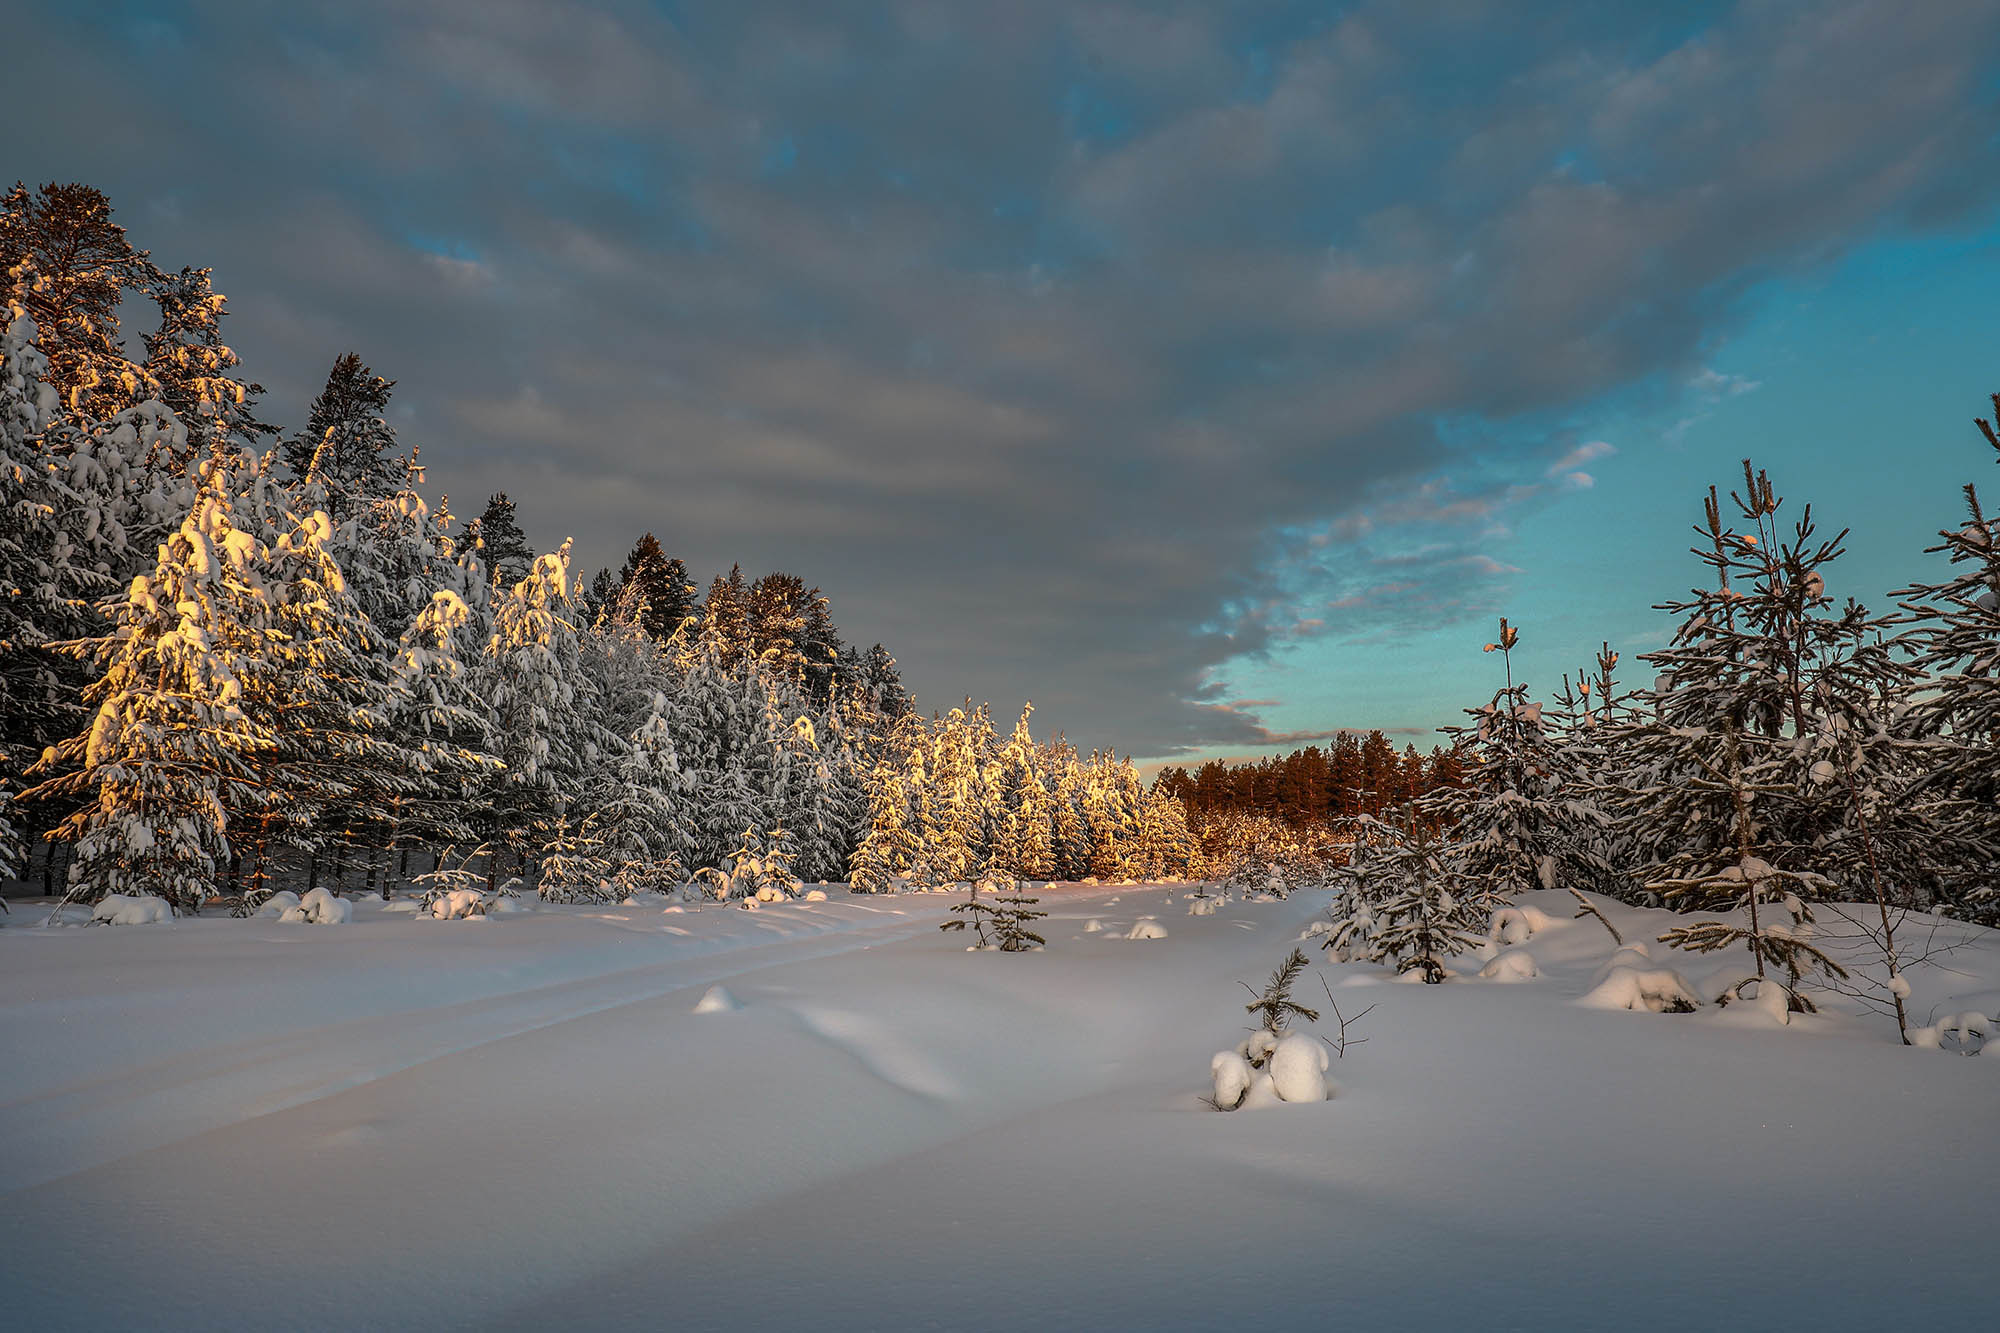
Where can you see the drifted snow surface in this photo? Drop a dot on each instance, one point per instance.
(524, 1122)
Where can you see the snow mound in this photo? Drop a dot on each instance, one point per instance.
(1513, 965)
(1656, 990)
(815, 895)
(1298, 1069)
(1630, 955)
(1203, 906)
(1961, 1034)
(1230, 1073)
(1146, 929)
(279, 903)
(507, 904)
(142, 909)
(717, 1000)
(1517, 925)
(1315, 929)
(402, 905)
(1092, 926)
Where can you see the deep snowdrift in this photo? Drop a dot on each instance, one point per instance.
(534, 1121)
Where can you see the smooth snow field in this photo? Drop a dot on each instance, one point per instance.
(831, 1116)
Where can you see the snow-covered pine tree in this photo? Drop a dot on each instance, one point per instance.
(170, 747)
(71, 268)
(189, 364)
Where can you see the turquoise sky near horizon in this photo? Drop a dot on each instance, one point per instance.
(1855, 386)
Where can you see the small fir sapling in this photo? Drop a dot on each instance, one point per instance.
(1000, 919)
(1274, 1005)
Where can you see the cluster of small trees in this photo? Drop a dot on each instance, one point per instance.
(223, 663)
(1792, 750)
(952, 801)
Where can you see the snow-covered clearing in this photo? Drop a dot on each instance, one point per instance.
(535, 1121)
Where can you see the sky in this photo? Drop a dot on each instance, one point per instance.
(1211, 375)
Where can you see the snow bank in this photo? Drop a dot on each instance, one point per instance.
(143, 909)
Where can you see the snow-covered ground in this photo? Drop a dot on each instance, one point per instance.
(831, 1116)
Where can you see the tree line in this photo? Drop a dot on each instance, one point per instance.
(232, 657)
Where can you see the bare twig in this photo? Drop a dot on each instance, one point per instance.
(1343, 1041)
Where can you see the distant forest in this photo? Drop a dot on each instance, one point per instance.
(1353, 775)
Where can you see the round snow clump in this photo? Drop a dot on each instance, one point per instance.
(1231, 1075)
(278, 904)
(1298, 1068)
(717, 1000)
(1513, 965)
(1146, 929)
(1203, 906)
(144, 909)
(815, 895)
(1092, 926)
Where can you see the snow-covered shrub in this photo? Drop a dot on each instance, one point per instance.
(1146, 929)
(1404, 902)
(321, 908)
(121, 909)
(761, 870)
(1510, 965)
(1203, 906)
(1657, 990)
(273, 905)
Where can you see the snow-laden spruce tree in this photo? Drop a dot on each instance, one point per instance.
(641, 809)
(1767, 710)
(1405, 901)
(889, 843)
(532, 678)
(172, 741)
(1027, 836)
(325, 701)
(188, 364)
(441, 723)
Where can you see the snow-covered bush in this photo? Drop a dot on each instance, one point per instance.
(1656, 989)
(320, 907)
(123, 909)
